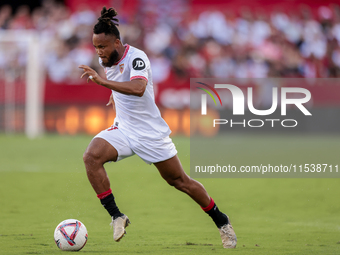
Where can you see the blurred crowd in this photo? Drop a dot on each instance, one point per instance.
(182, 43)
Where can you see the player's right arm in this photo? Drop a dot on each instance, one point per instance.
(134, 87)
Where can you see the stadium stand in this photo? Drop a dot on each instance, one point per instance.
(184, 39)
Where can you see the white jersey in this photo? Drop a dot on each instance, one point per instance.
(137, 117)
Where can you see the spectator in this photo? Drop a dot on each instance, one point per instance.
(181, 44)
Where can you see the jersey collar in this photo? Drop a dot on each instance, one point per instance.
(127, 47)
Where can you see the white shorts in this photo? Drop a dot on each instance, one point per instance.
(151, 151)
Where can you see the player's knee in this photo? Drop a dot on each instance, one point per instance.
(178, 183)
(91, 158)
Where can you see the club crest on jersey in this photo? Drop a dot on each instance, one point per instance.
(121, 68)
(138, 64)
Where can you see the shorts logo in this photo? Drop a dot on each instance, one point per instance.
(111, 128)
(138, 64)
(121, 68)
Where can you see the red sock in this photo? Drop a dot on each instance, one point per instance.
(218, 217)
(108, 201)
(104, 194)
(210, 206)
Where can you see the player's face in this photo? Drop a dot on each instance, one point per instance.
(106, 48)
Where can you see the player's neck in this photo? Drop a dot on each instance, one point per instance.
(121, 52)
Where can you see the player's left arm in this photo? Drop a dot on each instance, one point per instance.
(111, 102)
(134, 87)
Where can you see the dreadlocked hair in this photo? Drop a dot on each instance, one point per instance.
(107, 23)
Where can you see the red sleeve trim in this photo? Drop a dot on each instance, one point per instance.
(138, 77)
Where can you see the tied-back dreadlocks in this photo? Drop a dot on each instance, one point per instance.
(107, 24)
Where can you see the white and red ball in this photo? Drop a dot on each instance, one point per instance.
(70, 235)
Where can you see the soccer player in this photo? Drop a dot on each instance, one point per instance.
(137, 129)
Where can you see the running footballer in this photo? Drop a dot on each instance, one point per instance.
(137, 129)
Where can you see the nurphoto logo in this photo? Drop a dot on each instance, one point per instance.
(239, 105)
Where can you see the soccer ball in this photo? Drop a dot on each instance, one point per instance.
(70, 235)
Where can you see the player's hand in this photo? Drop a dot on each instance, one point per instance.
(111, 101)
(92, 74)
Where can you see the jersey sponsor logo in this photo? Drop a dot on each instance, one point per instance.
(138, 64)
(121, 68)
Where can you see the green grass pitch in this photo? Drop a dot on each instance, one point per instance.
(43, 182)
